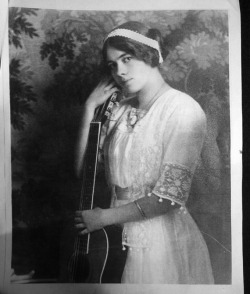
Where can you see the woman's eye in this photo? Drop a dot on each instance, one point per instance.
(127, 59)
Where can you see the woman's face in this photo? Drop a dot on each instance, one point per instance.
(131, 74)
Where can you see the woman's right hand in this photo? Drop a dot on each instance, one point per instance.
(101, 93)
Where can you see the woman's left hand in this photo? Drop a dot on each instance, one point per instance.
(87, 221)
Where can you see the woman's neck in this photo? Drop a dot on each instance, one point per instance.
(151, 91)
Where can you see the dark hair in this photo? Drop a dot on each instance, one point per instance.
(140, 51)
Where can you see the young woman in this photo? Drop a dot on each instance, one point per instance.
(151, 146)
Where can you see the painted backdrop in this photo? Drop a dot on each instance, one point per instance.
(54, 64)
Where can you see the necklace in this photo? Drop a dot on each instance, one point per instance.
(135, 114)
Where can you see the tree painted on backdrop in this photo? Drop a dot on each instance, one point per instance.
(34, 199)
(21, 92)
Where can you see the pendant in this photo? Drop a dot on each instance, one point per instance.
(133, 120)
(134, 117)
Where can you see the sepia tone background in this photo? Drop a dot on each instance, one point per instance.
(54, 64)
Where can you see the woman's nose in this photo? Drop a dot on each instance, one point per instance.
(121, 69)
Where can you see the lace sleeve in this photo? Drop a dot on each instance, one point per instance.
(182, 140)
(174, 183)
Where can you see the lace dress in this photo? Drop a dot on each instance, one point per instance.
(158, 155)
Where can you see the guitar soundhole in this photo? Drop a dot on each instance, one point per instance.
(79, 268)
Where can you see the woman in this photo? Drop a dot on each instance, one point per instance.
(151, 145)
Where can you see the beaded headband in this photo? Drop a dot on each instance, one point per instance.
(137, 37)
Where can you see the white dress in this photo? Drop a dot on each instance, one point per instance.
(159, 155)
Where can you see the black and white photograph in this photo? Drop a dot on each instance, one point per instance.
(121, 158)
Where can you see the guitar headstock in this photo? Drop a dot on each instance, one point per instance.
(105, 110)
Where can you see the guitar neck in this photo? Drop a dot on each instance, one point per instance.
(89, 175)
(90, 163)
(90, 166)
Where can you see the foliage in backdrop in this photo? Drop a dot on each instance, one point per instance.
(54, 64)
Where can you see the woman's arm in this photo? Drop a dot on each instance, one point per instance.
(87, 116)
(99, 95)
(91, 220)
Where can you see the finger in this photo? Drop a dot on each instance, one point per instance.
(111, 83)
(116, 89)
(78, 220)
(84, 232)
(111, 91)
(80, 226)
(109, 88)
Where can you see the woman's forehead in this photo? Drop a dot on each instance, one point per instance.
(114, 54)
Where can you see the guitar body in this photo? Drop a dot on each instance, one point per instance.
(104, 262)
(89, 267)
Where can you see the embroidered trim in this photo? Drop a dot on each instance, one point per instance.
(133, 246)
(135, 235)
(174, 183)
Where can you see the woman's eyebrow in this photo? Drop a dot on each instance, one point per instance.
(119, 57)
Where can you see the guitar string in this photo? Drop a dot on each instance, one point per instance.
(106, 256)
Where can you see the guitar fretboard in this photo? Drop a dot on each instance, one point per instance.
(88, 187)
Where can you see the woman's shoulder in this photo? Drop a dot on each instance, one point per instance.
(181, 106)
(180, 101)
(178, 97)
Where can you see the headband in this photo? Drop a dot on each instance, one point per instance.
(137, 37)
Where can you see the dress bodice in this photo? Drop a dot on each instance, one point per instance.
(165, 139)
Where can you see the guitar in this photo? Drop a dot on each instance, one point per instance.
(90, 257)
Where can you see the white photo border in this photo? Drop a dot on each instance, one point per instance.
(232, 6)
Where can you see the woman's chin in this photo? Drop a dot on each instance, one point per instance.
(130, 90)
(129, 94)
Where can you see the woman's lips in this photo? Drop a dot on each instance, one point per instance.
(125, 82)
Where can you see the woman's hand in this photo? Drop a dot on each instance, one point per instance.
(87, 221)
(101, 93)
